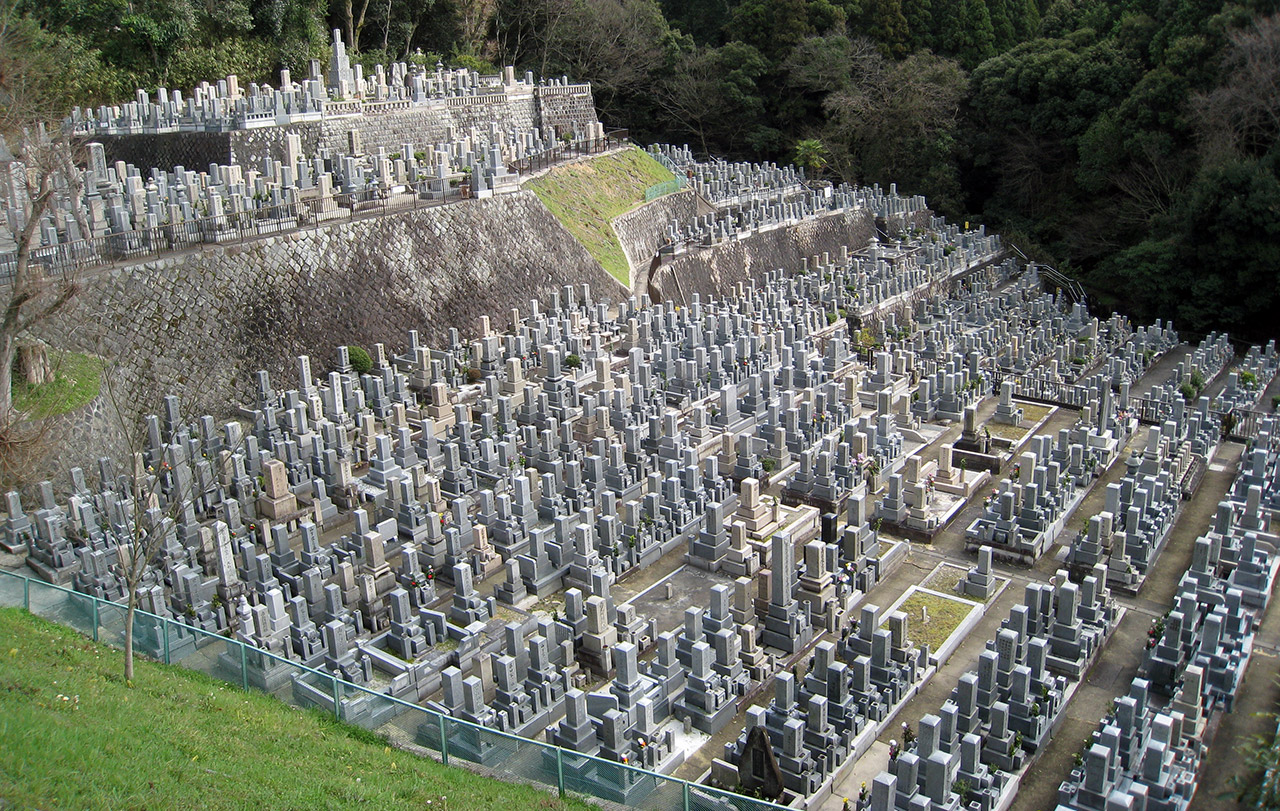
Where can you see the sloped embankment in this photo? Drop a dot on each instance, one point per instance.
(587, 195)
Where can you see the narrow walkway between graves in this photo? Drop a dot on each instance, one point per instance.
(1116, 667)
(1252, 715)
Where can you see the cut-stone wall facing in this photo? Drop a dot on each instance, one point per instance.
(715, 270)
(565, 109)
(639, 230)
(552, 109)
(200, 324)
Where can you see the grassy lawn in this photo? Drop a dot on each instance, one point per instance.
(1010, 432)
(944, 617)
(1034, 413)
(77, 379)
(587, 195)
(76, 737)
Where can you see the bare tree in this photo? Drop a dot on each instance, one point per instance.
(691, 95)
(41, 170)
(884, 121)
(1242, 114)
(154, 488)
(39, 177)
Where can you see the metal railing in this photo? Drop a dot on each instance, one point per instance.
(570, 149)
(1240, 424)
(487, 751)
(152, 243)
(1052, 392)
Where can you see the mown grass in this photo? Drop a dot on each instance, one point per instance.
(1031, 416)
(945, 615)
(75, 736)
(587, 195)
(77, 380)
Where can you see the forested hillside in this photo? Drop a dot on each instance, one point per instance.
(1132, 143)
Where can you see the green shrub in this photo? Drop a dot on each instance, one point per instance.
(470, 62)
(360, 360)
(572, 361)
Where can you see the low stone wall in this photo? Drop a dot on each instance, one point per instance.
(552, 110)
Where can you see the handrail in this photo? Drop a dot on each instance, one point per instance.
(1073, 287)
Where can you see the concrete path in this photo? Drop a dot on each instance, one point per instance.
(1115, 668)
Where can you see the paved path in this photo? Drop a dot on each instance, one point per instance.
(1115, 667)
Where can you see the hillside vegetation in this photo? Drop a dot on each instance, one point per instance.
(586, 195)
(75, 736)
(1133, 143)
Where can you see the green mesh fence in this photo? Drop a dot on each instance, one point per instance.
(409, 726)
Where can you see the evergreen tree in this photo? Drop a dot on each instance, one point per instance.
(919, 16)
(976, 38)
(1026, 19)
(887, 25)
(1002, 24)
(947, 26)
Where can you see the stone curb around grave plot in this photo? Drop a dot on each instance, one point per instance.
(939, 657)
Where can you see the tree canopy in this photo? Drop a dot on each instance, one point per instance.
(1129, 142)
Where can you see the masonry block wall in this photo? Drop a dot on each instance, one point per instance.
(640, 230)
(200, 324)
(715, 270)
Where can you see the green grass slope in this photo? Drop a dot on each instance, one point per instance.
(587, 195)
(76, 380)
(72, 735)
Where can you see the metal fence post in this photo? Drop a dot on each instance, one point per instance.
(244, 666)
(26, 593)
(685, 792)
(444, 741)
(95, 618)
(337, 699)
(560, 770)
(164, 627)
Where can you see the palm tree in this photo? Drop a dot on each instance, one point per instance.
(811, 155)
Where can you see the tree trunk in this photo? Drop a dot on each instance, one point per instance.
(351, 27)
(6, 378)
(128, 635)
(33, 361)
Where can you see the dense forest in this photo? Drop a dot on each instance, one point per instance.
(1131, 143)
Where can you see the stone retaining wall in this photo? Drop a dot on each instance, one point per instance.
(552, 110)
(200, 324)
(715, 270)
(640, 229)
